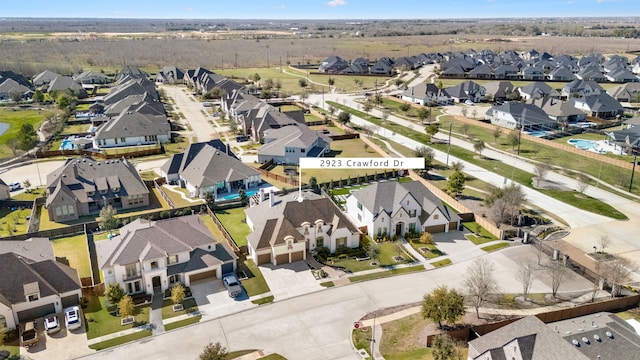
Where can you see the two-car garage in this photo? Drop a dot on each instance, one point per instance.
(36, 312)
(210, 274)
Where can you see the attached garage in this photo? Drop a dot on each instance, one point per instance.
(453, 225)
(70, 300)
(210, 275)
(435, 229)
(264, 259)
(227, 268)
(37, 312)
(282, 259)
(297, 256)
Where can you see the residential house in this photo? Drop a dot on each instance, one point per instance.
(66, 83)
(84, 186)
(5, 193)
(203, 169)
(622, 76)
(467, 90)
(9, 87)
(405, 63)
(614, 63)
(116, 108)
(192, 75)
(129, 71)
(591, 72)
(19, 78)
(91, 78)
(538, 90)
(396, 208)
(533, 73)
(384, 66)
(285, 227)
(516, 115)
(561, 73)
(594, 336)
(579, 88)
(507, 72)
(481, 72)
(500, 90)
(601, 106)
(425, 94)
(627, 93)
(152, 256)
(627, 138)
(141, 124)
(39, 285)
(559, 110)
(44, 78)
(454, 72)
(170, 75)
(333, 65)
(128, 87)
(288, 144)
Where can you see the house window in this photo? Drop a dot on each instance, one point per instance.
(302, 150)
(33, 297)
(172, 259)
(341, 242)
(131, 270)
(359, 217)
(436, 216)
(319, 241)
(412, 227)
(116, 140)
(412, 213)
(154, 264)
(174, 279)
(359, 205)
(122, 140)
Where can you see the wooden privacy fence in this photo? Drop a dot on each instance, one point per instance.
(223, 230)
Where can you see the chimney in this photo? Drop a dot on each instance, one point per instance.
(272, 199)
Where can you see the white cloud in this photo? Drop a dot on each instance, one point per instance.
(188, 9)
(334, 3)
(282, 6)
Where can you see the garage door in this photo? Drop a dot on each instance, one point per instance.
(36, 312)
(70, 300)
(202, 276)
(282, 259)
(227, 268)
(264, 259)
(297, 256)
(435, 229)
(453, 225)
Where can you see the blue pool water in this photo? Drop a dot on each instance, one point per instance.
(66, 145)
(539, 133)
(583, 144)
(249, 193)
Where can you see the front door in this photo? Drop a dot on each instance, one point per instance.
(156, 282)
(399, 228)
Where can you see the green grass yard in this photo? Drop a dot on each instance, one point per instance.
(14, 222)
(74, 250)
(101, 322)
(378, 275)
(15, 119)
(234, 220)
(255, 283)
(121, 340)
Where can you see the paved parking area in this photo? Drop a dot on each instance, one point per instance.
(214, 301)
(289, 280)
(60, 346)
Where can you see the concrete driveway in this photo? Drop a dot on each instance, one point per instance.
(289, 280)
(60, 346)
(454, 245)
(213, 300)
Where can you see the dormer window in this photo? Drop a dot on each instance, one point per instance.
(90, 193)
(33, 297)
(31, 291)
(103, 191)
(115, 189)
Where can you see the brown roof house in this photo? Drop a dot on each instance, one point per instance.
(39, 284)
(151, 256)
(84, 186)
(283, 228)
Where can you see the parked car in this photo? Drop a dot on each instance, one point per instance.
(29, 334)
(232, 284)
(72, 318)
(51, 324)
(14, 186)
(469, 102)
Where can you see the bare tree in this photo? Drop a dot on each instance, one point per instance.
(478, 146)
(616, 273)
(597, 282)
(524, 274)
(497, 132)
(583, 182)
(541, 171)
(558, 272)
(464, 111)
(465, 129)
(604, 241)
(480, 282)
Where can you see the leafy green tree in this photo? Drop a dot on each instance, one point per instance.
(443, 304)
(177, 294)
(63, 101)
(423, 113)
(331, 81)
(15, 96)
(313, 184)
(344, 117)
(303, 83)
(405, 107)
(213, 352)
(114, 293)
(27, 137)
(428, 155)
(215, 93)
(126, 306)
(443, 348)
(38, 96)
(209, 198)
(256, 77)
(377, 98)
(268, 84)
(456, 182)
(432, 129)
(108, 220)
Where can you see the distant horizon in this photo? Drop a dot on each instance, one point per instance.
(323, 10)
(4, 18)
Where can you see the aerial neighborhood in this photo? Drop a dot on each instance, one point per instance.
(165, 200)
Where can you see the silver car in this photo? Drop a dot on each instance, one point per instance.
(51, 324)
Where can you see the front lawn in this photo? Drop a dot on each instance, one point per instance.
(235, 221)
(483, 235)
(184, 322)
(189, 306)
(441, 263)
(121, 340)
(388, 252)
(101, 322)
(495, 247)
(74, 250)
(264, 300)
(381, 274)
(254, 284)
(432, 253)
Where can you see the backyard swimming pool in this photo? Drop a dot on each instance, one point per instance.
(249, 193)
(538, 133)
(66, 145)
(584, 144)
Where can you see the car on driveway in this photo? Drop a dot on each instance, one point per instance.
(51, 324)
(72, 318)
(469, 102)
(232, 284)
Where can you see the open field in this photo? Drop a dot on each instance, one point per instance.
(16, 118)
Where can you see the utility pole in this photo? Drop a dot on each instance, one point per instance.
(373, 335)
(520, 138)
(633, 170)
(449, 142)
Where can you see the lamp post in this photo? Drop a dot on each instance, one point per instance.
(449, 144)
(633, 170)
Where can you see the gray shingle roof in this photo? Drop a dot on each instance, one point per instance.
(211, 166)
(297, 136)
(36, 249)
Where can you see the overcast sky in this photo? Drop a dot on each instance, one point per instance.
(319, 9)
